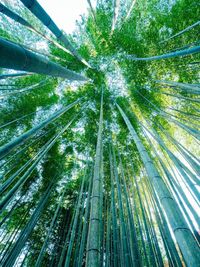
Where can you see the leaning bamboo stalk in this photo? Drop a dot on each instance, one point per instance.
(92, 11)
(41, 14)
(13, 56)
(165, 228)
(184, 236)
(115, 14)
(10, 260)
(184, 52)
(188, 87)
(180, 166)
(181, 32)
(4, 150)
(14, 75)
(12, 15)
(173, 181)
(26, 175)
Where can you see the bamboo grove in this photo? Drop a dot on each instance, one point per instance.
(99, 135)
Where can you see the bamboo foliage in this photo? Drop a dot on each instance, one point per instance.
(106, 172)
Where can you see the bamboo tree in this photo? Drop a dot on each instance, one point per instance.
(130, 10)
(123, 231)
(174, 183)
(28, 172)
(190, 88)
(182, 32)
(4, 150)
(184, 237)
(41, 14)
(12, 15)
(107, 261)
(146, 226)
(184, 52)
(115, 14)
(93, 244)
(13, 75)
(116, 256)
(13, 56)
(41, 255)
(85, 224)
(10, 260)
(134, 245)
(75, 222)
(92, 11)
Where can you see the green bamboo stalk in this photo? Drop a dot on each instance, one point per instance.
(123, 231)
(184, 237)
(5, 201)
(134, 245)
(115, 14)
(53, 221)
(14, 75)
(41, 14)
(181, 32)
(13, 56)
(184, 52)
(10, 260)
(4, 150)
(75, 223)
(85, 223)
(116, 256)
(93, 240)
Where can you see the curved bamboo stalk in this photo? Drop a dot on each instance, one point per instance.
(184, 52)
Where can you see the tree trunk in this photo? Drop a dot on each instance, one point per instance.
(41, 14)
(4, 150)
(93, 240)
(179, 53)
(13, 56)
(184, 237)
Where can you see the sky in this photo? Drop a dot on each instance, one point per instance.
(65, 12)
